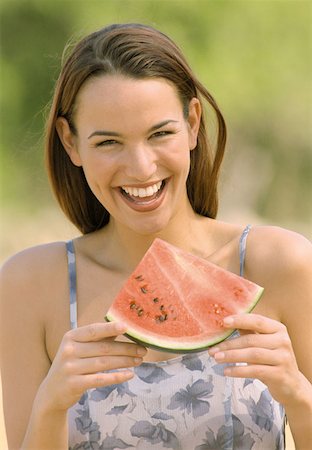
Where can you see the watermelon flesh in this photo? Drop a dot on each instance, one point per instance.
(175, 301)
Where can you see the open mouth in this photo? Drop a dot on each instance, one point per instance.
(142, 195)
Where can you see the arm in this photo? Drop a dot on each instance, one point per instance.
(24, 362)
(36, 392)
(279, 352)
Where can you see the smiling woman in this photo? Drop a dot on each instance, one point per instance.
(130, 161)
(138, 54)
(150, 148)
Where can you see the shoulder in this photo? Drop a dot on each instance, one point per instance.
(35, 260)
(281, 261)
(279, 249)
(33, 275)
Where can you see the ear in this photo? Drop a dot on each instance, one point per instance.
(68, 140)
(193, 119)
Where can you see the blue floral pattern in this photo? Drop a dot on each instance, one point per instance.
(185, 403)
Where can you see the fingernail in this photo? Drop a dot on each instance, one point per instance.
(227, 321)
(137, 360)
(219, 356)
(213, 350)
(120, 327)
(141, 351)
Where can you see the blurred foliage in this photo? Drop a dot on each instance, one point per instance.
(254, 56)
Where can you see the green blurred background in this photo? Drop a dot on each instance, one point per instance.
(255, 58)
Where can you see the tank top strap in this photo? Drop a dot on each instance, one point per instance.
(71, 261)
(242, 249)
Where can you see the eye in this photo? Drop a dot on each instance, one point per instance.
(106, 143)
(161, 133)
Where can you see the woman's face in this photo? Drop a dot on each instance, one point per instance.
(133, 144)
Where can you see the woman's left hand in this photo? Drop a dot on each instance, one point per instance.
(265, 348)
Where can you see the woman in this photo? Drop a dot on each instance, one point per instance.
(129, 160)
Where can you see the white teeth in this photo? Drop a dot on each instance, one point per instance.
(142, 192)
(150, 191)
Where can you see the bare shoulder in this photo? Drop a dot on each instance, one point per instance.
(38, 258)
(278, 250)
(281, 261)
(33, 274)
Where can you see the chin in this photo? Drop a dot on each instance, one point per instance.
(149, 227)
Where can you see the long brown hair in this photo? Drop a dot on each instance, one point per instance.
(138, 51)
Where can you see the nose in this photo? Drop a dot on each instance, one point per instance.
(140, 162)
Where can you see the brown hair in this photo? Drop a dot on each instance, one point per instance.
(138, 51)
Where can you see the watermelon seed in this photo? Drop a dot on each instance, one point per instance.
(139, 278)
(132, 305)
(160, 318)
(140, 312)
(161, 307)
(155, 300)
(144, 290)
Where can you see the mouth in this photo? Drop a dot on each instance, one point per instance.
(143, 195)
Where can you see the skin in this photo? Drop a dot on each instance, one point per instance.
(46, 367)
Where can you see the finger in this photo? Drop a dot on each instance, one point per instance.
(102, 364)
(96, 331)
(82, 383)
(246, 341)
(261, 372)
(252, 322)
(108, 347)
(249, 356)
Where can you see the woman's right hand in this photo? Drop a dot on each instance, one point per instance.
(82, 361)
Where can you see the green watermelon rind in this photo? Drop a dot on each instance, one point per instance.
(182, 347)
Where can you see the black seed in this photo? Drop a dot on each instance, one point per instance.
(139, 277)
(140, 312)
(143, 290)
(132, 305)
(155, 300)
(161, 307)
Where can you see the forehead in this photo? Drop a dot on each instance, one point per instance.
(117, 97)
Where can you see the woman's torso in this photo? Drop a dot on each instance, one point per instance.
(98, 283)
(182, 402)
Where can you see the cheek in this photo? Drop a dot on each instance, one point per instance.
(178, 157)
(97, 172)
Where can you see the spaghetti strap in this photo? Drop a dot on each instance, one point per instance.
(71, 260)
(242, 249)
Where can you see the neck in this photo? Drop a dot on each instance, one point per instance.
(129, 246)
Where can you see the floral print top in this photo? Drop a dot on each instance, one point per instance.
(185, 403)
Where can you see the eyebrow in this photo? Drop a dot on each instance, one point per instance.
(113, 133)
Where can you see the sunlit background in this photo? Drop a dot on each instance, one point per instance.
(255, 58)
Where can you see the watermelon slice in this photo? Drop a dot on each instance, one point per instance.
(175, 301)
